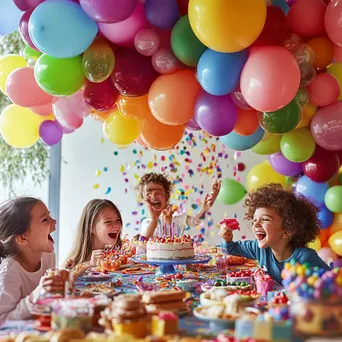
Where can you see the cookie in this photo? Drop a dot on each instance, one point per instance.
(166, 296)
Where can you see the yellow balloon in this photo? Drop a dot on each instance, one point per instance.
(227, 25)
(19, 126)
(262, 174)
(9, 63)
(336, 225)
(316, 245)
(268, 145)
(307, 114)
(336, 70)
(121, 130)
(335, 242)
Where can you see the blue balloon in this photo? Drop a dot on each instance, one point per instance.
(313, 191)
(239, 142)
(282, 4)
(219, 73)
(61, 29)
(325, 216)
(10, 16)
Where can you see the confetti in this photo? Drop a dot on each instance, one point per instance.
(96, 186)
(109, 189)
(97, 173)
(105, 169)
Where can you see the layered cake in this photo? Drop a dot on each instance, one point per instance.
(169, 248)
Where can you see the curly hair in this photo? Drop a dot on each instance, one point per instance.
(157, 178)
(298, 215)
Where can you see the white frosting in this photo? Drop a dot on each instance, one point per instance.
(170, 251)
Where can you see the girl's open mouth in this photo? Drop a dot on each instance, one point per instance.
(260, 236)
(113, 235)
(50, 238)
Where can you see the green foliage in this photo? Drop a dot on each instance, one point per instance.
(16, 164)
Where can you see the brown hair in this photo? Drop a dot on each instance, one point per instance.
(15, 217)
(157, 178)
(83, 243)
(298, 215)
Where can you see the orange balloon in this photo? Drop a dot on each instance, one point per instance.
(172, 97)
(325, 244)
(140, 141)
(100, 116)
(324, 236)
(337, 224)
(334, 180)
(247, 122)
(324, 51)
(307, 114)
(134, 107)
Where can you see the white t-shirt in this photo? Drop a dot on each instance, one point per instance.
(17, 287)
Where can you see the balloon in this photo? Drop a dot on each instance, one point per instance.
(9, 63)
(231, 191)
(239, 100)
(19, 127)
(307, 74)
(247, 122)
(326, 127)
(335, 242)
(183, 6)
(242, 142)
(219, 73)
(336, 224)
(23, 90)
(324, 234)
(161, 13)
(123, 32)
(100, 96)
(297, 145)
(282, 4)
(325, 216)
(100, 116)
(283, 166)
(324, 51)
(222, 25)
(9, 17)
(291, 42)
(146, 42)
(315, 245)
(140, 142)
(44, 110)
(59, 77)
(61, 29)
(313, 191)
(216, 115)
(333, 199)
(302, 97)
(324, 90)
(304, 53)
(134, 107)
(327, 255)
(335, 69)
(108, 11)
(275, 27)
(31, 56)
(98, 62)
(133, 73)
(281, 121)
(50, 132)
(168, 92)
(333, 21)
(322, 165)
(306, 18)
(261, 75)
(193, 125)
(23, 28)
(159, 136)
(25, 5)
(120, 129)
(337, 53)
(268, 145)
(185, 45)
(307, 114)
(262, 174)
(165, 62)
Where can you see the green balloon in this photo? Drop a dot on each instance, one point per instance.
(281, 121)
(59, 76)
(30, 53)
(269, 144)
(298, 145)
(333, 199)
(185, 45)
(231, 191)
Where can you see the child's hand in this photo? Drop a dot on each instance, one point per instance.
(211, 198)
(68, 264)
(154, 213)
(226, 233)
(53, 284)
(96, 257)
(167, 214)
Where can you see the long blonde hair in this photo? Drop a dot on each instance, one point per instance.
(83, 247)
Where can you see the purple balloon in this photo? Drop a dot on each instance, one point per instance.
(108, 11)
(23, 29)
(162, 13)
(216, 115)
(283, 165)
(337, 263)
(50, 132)
(25, 5)
(193, 125)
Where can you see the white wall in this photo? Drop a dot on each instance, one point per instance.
(86, 153)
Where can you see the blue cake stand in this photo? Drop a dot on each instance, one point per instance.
(168, 266)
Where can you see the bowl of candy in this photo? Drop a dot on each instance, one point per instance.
(243, 275)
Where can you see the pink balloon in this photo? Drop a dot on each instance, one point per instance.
(123, 33)
(25, 5)
(326, 127)
(165, 62)
(43, 110)
(337, 53)
(23, 29)
(239, 100)
(327, 254)
(270, 78)
(324, 90)
(164, 37)
(333, 18)
(146, 42)
(23, 90)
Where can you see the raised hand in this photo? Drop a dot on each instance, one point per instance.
(96, 256)
(226, 233)
(167, 214)
(210, 199)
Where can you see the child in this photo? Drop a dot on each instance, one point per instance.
(100, 225)
(27, 252)
(156, 189)
(283, 225)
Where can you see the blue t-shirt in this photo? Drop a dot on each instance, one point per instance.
(250, 249)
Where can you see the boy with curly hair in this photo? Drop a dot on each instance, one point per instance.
(155, 189)
(283, 224)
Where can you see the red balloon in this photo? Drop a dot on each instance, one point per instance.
(322, 165)
(274, 31)
(23, 29)
(100, 96)
(183, 7)
(339, 154)
(133, 73)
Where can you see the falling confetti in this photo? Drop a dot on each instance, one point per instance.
(96, 186)
(108, 191)
(97, 173)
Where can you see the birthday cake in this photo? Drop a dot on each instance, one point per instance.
(170, 248)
